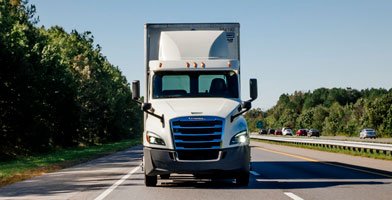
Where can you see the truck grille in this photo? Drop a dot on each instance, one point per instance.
(197, 133)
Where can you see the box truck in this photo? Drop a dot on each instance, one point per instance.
(193, 121)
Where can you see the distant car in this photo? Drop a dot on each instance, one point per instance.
(263, 131)
(287, 131)
(367, 133)
(278, 132)
(301, 132)
(271, 131)
(313, 132)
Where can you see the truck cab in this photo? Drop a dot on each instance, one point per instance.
(193, 121)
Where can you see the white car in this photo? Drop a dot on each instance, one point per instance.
(367, 133)
(287, 131)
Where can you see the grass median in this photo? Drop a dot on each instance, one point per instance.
(28, 167)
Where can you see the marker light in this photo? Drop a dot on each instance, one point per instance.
(160, 65)
(187, 64)
(203, 64)
(194, 64)
(229, 64)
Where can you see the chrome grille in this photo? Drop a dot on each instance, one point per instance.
(197, 133)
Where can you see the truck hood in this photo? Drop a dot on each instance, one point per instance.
(171, 108)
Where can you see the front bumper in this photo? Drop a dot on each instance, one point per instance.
(230, 162)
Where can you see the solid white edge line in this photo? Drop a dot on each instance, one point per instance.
(116, 184)
(293, 196)
(254, 173)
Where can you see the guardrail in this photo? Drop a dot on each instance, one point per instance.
(374, 148)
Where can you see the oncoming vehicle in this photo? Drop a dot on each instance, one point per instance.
(287, 131)
(271, 131)
(313, 132)
(263, 132)
(301, 132)
(367, 133)
(193, 122)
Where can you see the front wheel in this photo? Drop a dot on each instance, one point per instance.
(150, 181)
(242, 179)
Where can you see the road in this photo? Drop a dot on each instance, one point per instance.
(278, 172)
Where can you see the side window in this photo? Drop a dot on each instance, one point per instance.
(206, 80)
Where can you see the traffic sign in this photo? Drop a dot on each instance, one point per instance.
(259, 124)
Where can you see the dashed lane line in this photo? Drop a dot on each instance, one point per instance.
(293, 196)
(117, 183)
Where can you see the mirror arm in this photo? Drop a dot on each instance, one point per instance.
(241, 112)
(162, 118)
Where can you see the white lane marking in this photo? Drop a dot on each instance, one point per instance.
(116, 184)
(254, 173)
(293, 196)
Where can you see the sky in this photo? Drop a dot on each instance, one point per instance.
(287, 45)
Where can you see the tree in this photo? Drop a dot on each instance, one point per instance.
(57, 89)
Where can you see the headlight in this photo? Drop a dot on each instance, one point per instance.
(240, 138)
(153, 138)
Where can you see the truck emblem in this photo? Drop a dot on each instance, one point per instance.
(195, 118)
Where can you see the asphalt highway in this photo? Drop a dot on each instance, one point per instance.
(278, 172)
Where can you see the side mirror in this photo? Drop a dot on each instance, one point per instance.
(253, 88)
(146, 106)
(246, 105)
(135, 90)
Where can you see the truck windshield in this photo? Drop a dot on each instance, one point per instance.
(195, 84)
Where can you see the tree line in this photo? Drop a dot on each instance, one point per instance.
(335, 111)
(57, 90)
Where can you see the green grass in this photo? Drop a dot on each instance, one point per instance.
(27, 167)
(334, 150)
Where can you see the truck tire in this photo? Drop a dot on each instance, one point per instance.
(150, 181)
(242, 179)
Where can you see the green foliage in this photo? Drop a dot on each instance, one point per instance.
(253, 116)
(334, 111)
(57, 89)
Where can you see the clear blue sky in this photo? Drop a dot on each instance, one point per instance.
(287, 45)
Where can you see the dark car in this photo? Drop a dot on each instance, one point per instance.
(263, 131)
(313, 132)
(301, 132)
(278, 132)
(271, 131)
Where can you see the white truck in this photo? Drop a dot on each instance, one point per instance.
(193, 121)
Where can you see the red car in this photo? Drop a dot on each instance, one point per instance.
(278, 132)
(301, 132)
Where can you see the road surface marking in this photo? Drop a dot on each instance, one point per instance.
(254, 173)
(293, 196)
(290, 155)
(117, 183)
(313, 160)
